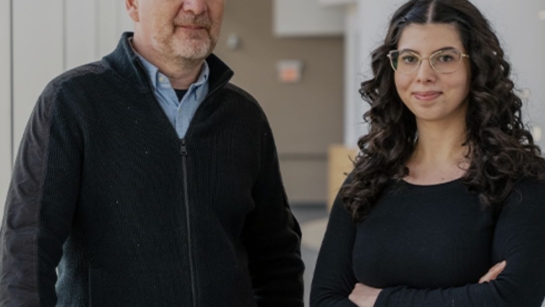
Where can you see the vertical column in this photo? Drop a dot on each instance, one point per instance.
(353, 122)
(111, 21)
(107, 23)
(371, 23)
(81, 32)
(38, 41)
(5, 100)
(38, 55)
(124, 22)
(522, 35)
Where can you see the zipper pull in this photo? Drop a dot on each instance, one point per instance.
(183, 148)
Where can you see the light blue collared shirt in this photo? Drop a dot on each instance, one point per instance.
(180, 113)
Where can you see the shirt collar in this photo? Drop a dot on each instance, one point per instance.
(158, 79)
(124, 62)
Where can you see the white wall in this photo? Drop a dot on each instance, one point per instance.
(38, 54)
(111, 21)
(522, 35)
(306, 18)
(77, 32)
(5, 101)
(49, 37)
(371, 22)
(521, 32)
(353, 121)
(81, 32)
(367, 22)
(93, 29)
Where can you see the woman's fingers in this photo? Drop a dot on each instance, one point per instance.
(493, 272)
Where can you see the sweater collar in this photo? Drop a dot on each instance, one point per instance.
(125, 62)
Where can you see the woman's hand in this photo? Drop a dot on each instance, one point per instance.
(364, 296)
(493, 272)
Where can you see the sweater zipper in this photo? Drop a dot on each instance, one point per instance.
(183, 153)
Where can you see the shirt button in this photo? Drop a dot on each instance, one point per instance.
(161, 79)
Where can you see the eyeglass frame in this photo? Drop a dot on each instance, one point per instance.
(421, 59)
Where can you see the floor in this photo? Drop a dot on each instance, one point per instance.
(313, 221)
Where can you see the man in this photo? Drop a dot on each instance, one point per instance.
(146, 179)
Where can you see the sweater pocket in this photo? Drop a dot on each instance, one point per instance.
(96, 293)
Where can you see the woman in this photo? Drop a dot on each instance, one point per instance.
(446, 204)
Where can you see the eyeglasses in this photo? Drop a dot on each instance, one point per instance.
(444, 61)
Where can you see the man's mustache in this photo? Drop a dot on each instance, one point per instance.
(193, 20)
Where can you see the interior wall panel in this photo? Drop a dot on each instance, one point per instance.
(305, 117)
(125, 23)
(80, 29)
(38, 54)
(107, 26)
(5, 100)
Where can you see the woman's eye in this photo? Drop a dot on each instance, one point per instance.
(409, 59)
(445, 58)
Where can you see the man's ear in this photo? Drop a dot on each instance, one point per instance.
(132, 9)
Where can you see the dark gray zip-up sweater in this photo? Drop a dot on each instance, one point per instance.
(132, 215)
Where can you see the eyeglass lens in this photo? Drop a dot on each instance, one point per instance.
(445, 61)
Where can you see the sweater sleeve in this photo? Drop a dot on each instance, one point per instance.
(334, 278)
(39, 207)
(519, 238)
(272, 237)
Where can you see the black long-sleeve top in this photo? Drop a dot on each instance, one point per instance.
(427, 246)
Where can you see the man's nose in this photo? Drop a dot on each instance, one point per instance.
(197, 7)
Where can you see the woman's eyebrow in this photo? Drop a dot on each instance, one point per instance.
(440, 49)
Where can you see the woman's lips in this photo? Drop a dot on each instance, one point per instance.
(426, 96)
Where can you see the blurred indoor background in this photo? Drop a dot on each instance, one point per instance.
(302, 59)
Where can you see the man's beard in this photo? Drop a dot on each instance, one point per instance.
(193, 47)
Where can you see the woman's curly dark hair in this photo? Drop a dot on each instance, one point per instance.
(501, 148)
